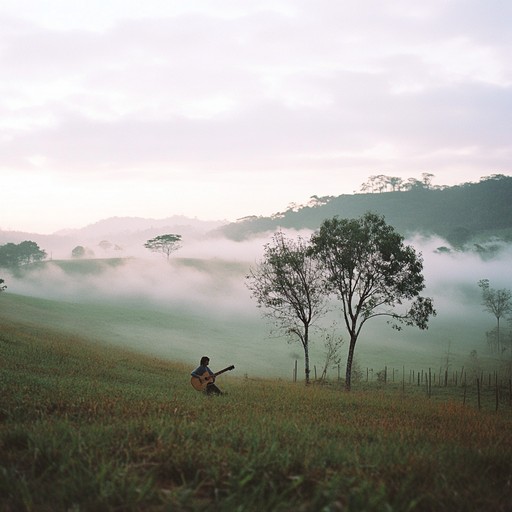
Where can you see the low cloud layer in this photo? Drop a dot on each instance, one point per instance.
(198, 302)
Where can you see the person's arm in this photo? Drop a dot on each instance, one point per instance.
(199, 371)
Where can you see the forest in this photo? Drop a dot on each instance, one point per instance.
(461, 215)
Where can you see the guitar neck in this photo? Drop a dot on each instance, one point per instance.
(225, 370)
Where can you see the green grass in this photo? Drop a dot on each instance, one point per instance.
(213, 313)
(75, 266)
(86, 426)
(168, 331)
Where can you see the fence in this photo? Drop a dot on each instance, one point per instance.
(495, 386)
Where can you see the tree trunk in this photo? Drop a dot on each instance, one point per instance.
(306, 364)
(499, 347)
(350, 359)
(306, 354)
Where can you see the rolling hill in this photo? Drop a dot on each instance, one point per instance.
(459, 214)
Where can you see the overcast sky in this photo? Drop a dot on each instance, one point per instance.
(225, 108)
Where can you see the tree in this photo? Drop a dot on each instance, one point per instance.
(78, 251)
(15, 255)
(30, 252)
(166, 244)
(332, 345)
(105, 245)
(496, 302)
(427, 179)
(8, 255)
(287, 283)
(371, 271)
(414, 184)
(395, 183)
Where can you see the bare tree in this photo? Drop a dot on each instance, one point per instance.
(287, 284)
(332, 345)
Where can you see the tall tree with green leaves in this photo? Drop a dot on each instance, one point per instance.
(372, 272)
(287, 284)
(496, 302)
(15, 255)
(165, 244)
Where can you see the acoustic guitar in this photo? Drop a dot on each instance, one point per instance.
(200, 383)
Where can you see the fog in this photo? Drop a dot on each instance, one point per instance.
(197, 303)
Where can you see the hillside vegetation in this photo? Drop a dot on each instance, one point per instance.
(458, 214)
(89, 427)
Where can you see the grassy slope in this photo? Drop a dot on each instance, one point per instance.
(89, 427)
(181, 331)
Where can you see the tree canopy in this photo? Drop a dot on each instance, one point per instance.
(371, 271)
(165, 244)
(15, 255)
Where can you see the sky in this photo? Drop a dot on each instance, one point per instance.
(219, 109)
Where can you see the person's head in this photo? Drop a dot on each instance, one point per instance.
(205, 361)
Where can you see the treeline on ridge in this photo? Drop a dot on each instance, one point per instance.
(457, 214)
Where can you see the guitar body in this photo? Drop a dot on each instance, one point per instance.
(200, 383)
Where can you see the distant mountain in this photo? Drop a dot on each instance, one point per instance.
(114, 226)
(125, 235)
(471, 212)
(458, 214)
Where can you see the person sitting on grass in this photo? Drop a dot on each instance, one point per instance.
(205, 375)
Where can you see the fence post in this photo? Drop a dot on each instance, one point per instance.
(497, 392)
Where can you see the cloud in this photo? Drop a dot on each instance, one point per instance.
(199, 302)
(230, 93)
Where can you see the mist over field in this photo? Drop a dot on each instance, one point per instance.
(198, 303)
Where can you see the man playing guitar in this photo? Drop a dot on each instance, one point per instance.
(206, 377)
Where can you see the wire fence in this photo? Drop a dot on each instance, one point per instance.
(484, 389)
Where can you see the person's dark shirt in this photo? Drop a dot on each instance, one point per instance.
(200, 371)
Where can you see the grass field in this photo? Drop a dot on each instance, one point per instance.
(192, 306)
(88, 426)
